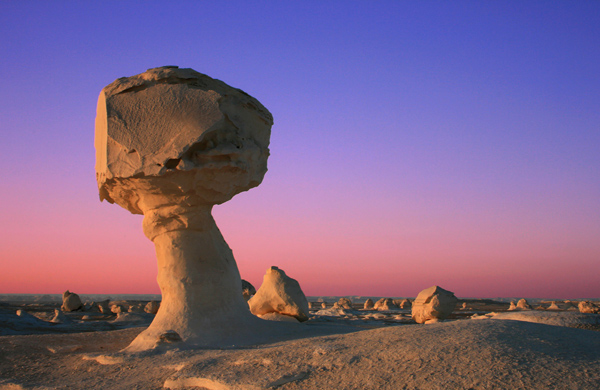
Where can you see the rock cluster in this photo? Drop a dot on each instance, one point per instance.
(588, 307)
(432, 305)
(71, 302)
(279, 294)
(343, 303)
(385, 304)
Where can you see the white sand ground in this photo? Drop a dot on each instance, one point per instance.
(462, 354)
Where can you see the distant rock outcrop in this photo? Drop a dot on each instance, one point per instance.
(386, 304)
(553, 306)
(343, 303)
(588, 307)
(512, 306)
(279, 294)
(71, 302)
(152, 307)
(523, 304)
(368, 304)
(104, 307)
(60, 318)
(433, 304)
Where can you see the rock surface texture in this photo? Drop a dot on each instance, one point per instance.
(247, 289)
(385, 304)
(523, 304)
(71, 302)
(343, 303)
(432, 305)
(170, 144)
(279, 294)
(588, 307)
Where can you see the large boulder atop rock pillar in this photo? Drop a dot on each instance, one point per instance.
(170, 144)
(279, 294)
(433, 304)
(71, 302)
(172, 136)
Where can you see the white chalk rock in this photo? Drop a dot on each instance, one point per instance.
(343, 303)
(323, 305)
(553, 306)
(116, 309)
(523, 304)
(387, 304)
(278, 317)
(512, 306)
(170, 144)
(588, 307)
(104, 307)
(60, 318)
(152, 307)
(433, 304)
(368, 304)
(279, 294)
(71, 302)
(136, 308)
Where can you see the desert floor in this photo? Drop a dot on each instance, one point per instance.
(345, 352)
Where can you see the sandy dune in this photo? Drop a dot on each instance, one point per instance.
(482, 354)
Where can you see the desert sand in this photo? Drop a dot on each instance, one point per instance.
(359, 349)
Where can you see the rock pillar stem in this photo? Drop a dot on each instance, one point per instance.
(198, 277)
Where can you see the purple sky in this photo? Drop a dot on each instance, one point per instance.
(415, 143)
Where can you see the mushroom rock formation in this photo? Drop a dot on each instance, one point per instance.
(170, 144)
(432, 305)
(387, 304)
(464, 306)
(368, 304)
(523, 304)
(512, 306)
(71, 302)
(588, 307)
(152, 307)
(323, 305)
(247, 289)
(553, 306)
(279, 294)
(343, 303)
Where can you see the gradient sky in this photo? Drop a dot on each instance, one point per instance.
(415, 143)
